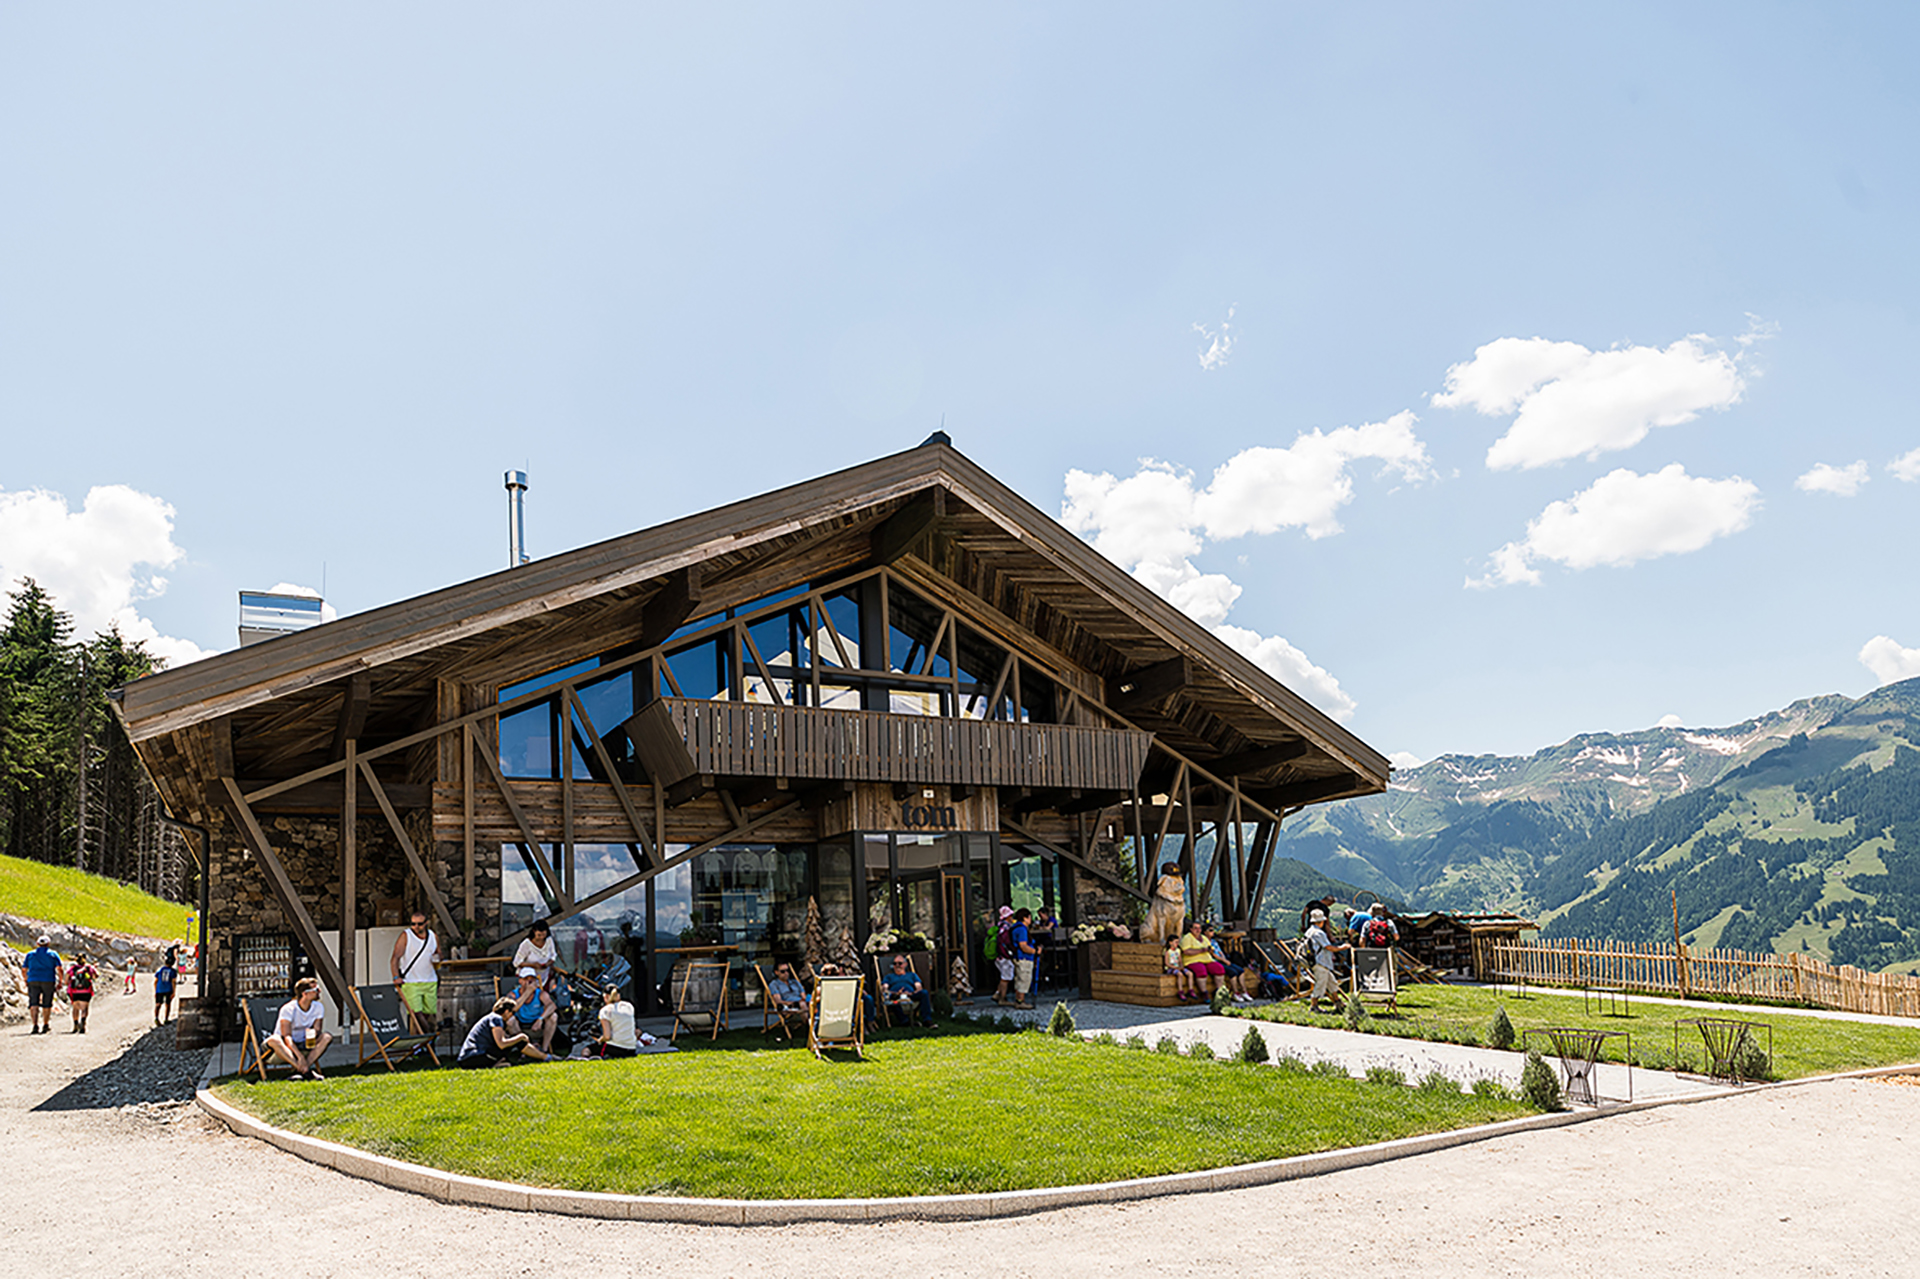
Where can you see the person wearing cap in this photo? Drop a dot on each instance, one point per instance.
(1379, 930)
(1324, 986)
(42, 966)
(533, 1010)
(415, 964)
(298, 1036)
(1003, 953)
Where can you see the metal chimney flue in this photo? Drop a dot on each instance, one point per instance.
(516, 518)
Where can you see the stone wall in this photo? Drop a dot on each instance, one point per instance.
(1095, 900)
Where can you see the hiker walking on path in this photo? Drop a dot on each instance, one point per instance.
(80, 978)
(165, 978)
(416, 973)
(43, 974)
(1323, 948)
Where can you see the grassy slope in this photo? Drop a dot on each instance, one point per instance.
(948, 1114)
(1801, 1045)
(63, 895)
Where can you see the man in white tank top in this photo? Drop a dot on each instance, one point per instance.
(416, 965)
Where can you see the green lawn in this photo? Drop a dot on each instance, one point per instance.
(1461, 1014)
(951, 1112)
(63, 895)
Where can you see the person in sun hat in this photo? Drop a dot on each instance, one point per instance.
(1003, 953)
(1323, 949)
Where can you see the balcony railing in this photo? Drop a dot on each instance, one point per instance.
(677, 738)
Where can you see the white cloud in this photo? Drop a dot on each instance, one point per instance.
(1155, 521)
(1403, 760)
(1906, 466)
(1219, 345)
(1841, 481)
(1623, 518)
(97, 562)
(1573, 402)
(1669, 721)
(1888, 660)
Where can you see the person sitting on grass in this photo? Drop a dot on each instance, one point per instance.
(904, 991)
(789, 995)
(1182, 979)
(489, 1043)
(616, 1026)
(534, 1010)
(298, 1036)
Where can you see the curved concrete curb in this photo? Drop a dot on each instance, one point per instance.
(454, 1188)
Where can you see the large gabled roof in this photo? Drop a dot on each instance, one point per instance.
(988, 543)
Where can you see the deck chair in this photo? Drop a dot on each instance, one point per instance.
(700, 998)
(772, 1018)
(259, 1018)
(1296, 961)
(385, 1025)
(836, 1017)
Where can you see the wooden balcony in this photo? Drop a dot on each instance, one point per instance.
(678, 738)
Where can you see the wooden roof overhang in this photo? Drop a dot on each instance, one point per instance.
(947, 526)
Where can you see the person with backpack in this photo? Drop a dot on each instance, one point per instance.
(165, 978)
(80, 979)
(999, 948)
(1379, 931)
(42, 966)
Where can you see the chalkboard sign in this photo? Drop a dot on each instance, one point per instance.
(384, 1017)
(1374, 973)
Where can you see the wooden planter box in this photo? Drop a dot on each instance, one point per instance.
(1092, 957)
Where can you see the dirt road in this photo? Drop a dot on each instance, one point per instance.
(1812, 1180)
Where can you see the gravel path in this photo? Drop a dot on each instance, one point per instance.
(1812, 1180)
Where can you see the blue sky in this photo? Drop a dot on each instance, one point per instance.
(282, 293)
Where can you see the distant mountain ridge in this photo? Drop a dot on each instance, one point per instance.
(1769, 832)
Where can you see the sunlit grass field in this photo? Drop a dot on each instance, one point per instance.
(952, 1112)
(1802, 1045)
(63, 895)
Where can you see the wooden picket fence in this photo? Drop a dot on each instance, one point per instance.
(1661, 969)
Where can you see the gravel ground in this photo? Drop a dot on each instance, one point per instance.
(1810, 1180)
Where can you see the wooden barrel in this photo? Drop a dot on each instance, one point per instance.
(196, 1025)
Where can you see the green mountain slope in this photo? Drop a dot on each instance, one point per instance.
(1796, 830)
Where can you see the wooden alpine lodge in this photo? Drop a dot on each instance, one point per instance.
(899, 691)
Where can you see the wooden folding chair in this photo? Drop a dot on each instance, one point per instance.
(700, 998)
(776, 1016)
(836, 1016)
(259, 1018)
(384, 1020)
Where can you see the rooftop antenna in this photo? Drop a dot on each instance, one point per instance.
(516, 518)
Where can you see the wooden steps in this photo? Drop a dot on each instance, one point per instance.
(1138, 976)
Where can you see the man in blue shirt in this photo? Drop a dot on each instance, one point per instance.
(1026, 956)
(904, 989)
(43, 973)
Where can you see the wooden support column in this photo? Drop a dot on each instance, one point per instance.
(427, 886)
(288, 896)
(349, 863)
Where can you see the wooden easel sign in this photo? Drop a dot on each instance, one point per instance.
(1374, 975)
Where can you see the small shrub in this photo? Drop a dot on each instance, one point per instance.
(1386, 1075)
(1105, 1039)
(1253, 1047)
(942, 1004)
(1222, 1000)
(1490, 1089)
(1060, 1025)
(1200, 1050)
(1291, 1064)
(1138, 1043)
(1538, 1085)
(1356, 1012)
(1329, 1068)
(1168, 1046)
(1500, 1031)
(1750, 1061)
(1439, 1081)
